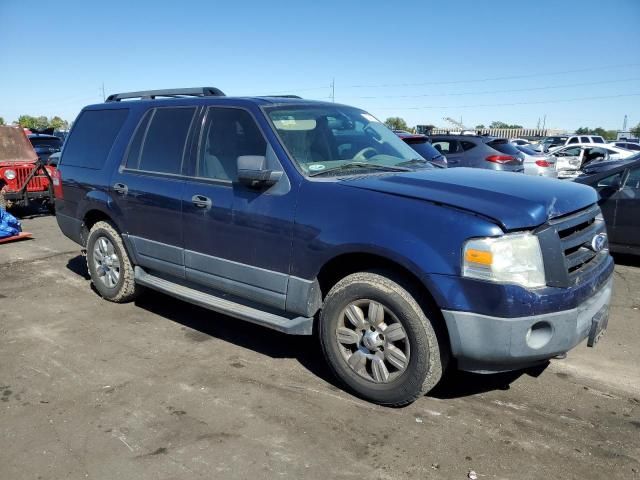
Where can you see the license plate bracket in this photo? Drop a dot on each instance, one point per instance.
(599, 324)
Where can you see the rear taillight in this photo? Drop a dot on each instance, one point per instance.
(500, 158)
(543, 163)
(56, 179)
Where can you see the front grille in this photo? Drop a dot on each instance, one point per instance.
(37, 183)
(566, 243)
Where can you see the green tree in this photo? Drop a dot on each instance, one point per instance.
(503, 125)
(58, 123)
(27, 121)
(583, 131)
(396, 123)
(41, 122)
(480, 127)
(1, 121)
(636, 131)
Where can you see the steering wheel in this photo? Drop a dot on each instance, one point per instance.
(362, 154)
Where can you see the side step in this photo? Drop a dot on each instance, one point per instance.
(292, 326)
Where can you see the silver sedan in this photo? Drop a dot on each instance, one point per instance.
(539, 164)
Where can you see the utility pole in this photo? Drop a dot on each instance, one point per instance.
(104, 97)
(333, 90)
(624, 124)
(544, 122)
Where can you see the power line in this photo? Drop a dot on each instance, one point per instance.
(491, 79)
(566, 100)
(568, 85)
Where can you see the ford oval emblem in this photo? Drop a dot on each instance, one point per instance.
(599, 242)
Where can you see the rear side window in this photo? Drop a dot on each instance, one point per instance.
(585, 140)
(504, 146)
(160, 139)
(92, 138)
(467, 145)
(597, 139)
(446, 147)
(573, 140)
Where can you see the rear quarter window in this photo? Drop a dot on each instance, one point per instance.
(504, 147)
(92, 137)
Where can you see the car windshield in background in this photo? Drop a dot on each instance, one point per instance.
(338, 139)
(46, 142)
(555, 140)
(528, 151)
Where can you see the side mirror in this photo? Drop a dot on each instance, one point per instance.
(612, 186)
(253, 172)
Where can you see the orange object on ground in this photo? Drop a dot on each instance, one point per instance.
(15, 238)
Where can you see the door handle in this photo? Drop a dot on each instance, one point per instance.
(201, 201)
(121, 188)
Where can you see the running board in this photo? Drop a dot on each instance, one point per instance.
(292, 326)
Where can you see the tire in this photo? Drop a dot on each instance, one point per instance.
(109, 264)
(3, 200)
(408, 376)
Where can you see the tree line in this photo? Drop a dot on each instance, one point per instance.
(40, 123)
(398, 123)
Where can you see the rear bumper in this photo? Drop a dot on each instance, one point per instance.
(31, 195)
(485, 344)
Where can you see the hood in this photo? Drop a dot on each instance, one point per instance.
(513, 200)
(15, 146)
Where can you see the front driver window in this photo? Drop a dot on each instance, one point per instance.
(633, 180)
(227, 134)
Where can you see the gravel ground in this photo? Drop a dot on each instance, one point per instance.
(159, 389)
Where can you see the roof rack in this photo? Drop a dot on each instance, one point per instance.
(170, 93)
(279, 96)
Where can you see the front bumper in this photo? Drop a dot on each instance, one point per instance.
(485, 344)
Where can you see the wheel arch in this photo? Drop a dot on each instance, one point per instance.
(345, 264)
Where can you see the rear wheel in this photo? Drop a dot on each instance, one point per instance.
(109, 265)
(378, 341)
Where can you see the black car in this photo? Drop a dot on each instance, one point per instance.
(421, 144)
(45, 145)
(619, 189)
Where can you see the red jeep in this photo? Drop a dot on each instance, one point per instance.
(23, 177)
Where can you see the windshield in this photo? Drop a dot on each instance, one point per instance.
(555, 140)
(46, 142)
(528, 151)
(331, 139)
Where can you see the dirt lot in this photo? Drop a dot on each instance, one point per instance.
(160, 389)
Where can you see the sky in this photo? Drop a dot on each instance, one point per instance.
(577, 62)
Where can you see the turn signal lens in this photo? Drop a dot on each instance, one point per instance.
(478, 256)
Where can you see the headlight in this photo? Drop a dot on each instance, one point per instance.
(514, 258)
(9, 174)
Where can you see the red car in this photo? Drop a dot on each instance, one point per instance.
(23, 177)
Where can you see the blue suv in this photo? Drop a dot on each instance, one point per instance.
(308, 216)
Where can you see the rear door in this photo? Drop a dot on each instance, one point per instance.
(148, 187)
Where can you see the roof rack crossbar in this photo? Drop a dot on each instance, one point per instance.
(170, 93)
(280, 96)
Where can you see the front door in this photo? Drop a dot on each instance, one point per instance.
(627, 224)
(148, 188)
(237, 239)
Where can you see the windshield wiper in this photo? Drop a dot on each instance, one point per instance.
(351, 165)
(419, 161)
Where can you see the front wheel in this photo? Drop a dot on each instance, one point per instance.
(378, 341)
